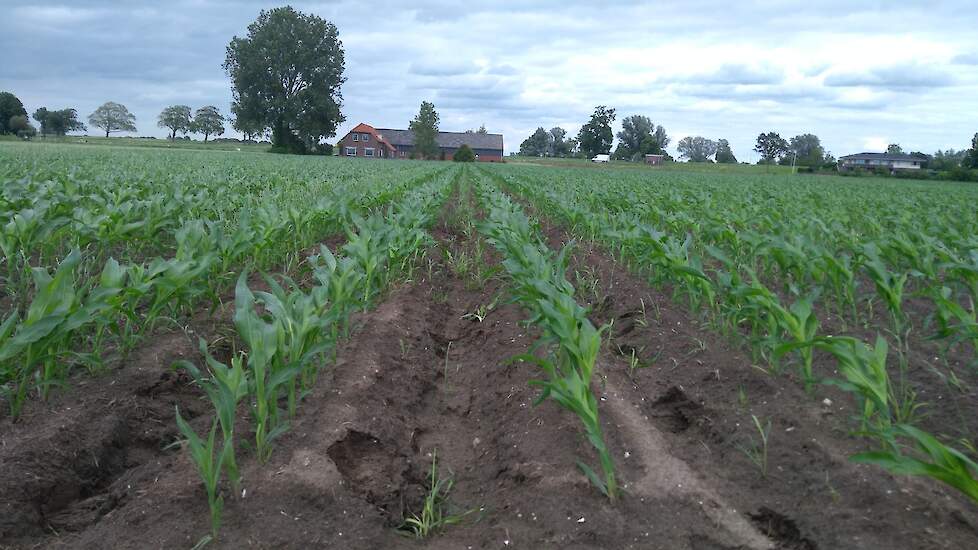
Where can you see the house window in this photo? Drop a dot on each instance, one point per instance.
(356, 137)
(402, 154)
(368, 152)
(351, 151)
(365, 137)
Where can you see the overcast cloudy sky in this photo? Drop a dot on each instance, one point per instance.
(858, 74)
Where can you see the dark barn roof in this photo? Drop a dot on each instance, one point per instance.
(452, 140)
(881, 156)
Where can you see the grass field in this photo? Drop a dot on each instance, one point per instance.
(276, 351)
(160, 143)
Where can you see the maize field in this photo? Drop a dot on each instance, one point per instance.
(228, 349)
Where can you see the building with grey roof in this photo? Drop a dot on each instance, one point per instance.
(487, 147)
(886, 161)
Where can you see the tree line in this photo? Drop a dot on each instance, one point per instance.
(207, 120)
(110, 117)
(639, 136)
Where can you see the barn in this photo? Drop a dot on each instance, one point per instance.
(369, 142)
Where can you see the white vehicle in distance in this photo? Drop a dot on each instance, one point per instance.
(601, 158)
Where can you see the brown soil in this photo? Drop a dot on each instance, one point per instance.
(90, 469)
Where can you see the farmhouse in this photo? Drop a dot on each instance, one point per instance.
(654, 160)
(366, 141)
(369, 142)
(886, 161)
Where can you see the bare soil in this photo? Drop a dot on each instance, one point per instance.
(419, 377)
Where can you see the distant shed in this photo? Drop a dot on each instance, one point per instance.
(654, 160)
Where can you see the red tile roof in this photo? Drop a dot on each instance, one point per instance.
(368, 129)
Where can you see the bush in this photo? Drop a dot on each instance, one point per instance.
(464, 154)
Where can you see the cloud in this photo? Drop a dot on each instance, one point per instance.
(875, 144)
(442, 68)
(895, 77)
(503, 70)
(735, 73)
(965, 59)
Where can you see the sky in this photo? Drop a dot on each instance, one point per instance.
(858, 74)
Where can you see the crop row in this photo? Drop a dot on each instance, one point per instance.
(733, 294)
(538, 283)
(289, 331)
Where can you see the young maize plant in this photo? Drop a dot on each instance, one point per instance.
(864, 369)
(368, 246)
(105, 303)
(300, 323)
(29, 231)
(342, 280)
(225, 387)
(270, 375)
(209, 462)
(842, 279)
(937, 460)
(540, 285)
(965, 273)
(801, 324)
(889, 286)
(954, 321)
(33, 351)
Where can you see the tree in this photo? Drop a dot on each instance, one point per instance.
(947, 160)
(538, 144)
(176, 118)
(639, 137)
(10, 107)
(59, 122)
(20, 126)
(560, 146)
(771, 147)
(425, 128)
(971, 157)
(208, 121)
(40, 115)
(113, 117)
(595, 137)
(464, 154)
(286, 77)
(696, 149)
(725, 153)
(573, 148)
(894, 149)
(248, 128)
(807, 150)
